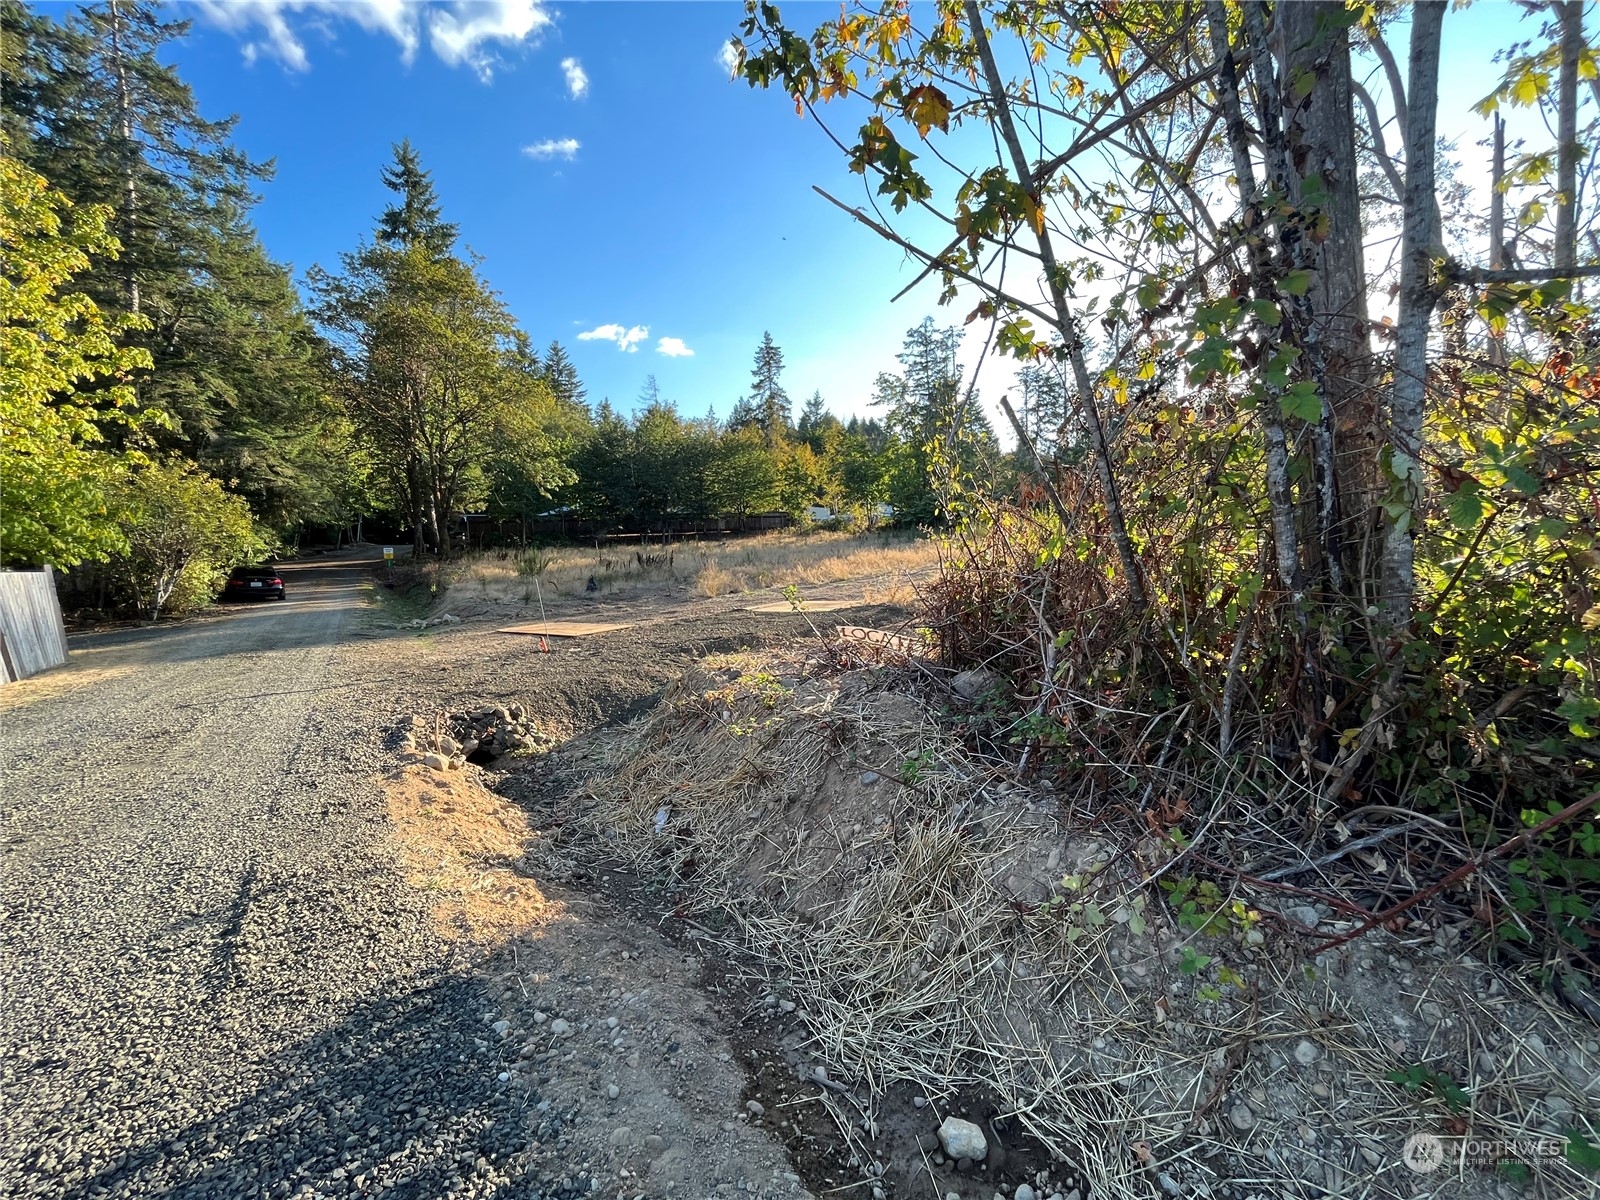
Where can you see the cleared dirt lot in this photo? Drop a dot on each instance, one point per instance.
(219, 982)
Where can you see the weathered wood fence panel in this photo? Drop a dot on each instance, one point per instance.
(33, 637)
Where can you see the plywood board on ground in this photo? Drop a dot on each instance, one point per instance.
(563, 628)
(783, 606)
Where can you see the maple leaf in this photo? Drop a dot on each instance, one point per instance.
(927, 106)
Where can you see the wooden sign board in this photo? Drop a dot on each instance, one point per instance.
(878, 645)
(563, 628)
(783, 606)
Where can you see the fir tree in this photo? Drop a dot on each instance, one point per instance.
(811, 415)
(236, 366)
(767, 397)
(416, 220)
(562, 376)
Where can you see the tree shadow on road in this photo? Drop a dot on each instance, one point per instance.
(402, 1098)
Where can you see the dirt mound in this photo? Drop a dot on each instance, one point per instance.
(954, 943)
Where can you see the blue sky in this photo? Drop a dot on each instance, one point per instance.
(685, 208)
(610, 175)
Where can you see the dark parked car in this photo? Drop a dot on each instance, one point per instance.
(254, 583)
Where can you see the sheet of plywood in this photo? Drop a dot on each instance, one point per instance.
(563, 628)
(783, 606)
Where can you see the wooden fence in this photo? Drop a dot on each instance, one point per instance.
(33, 637)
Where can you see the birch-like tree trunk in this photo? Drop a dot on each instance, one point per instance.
(1570, 15)
(1322, 127)
(1280, 497)
(1418, 295)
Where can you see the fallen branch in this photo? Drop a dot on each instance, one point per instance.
(1466, 869)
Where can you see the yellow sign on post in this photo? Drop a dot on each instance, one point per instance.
(388, 554)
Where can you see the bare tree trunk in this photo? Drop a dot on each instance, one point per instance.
(1280, 496)
(1570, 14)
(130, 191)
(1497, 198)
(1295, 252)
(1497, 225)
(1418, 295)
(1088, 408)
(1317, 40)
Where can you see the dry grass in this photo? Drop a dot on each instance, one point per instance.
(57, 682)
(465, 846)
(706, 568)
(911, 919)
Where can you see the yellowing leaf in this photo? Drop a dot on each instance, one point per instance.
(1035, 212)
(927, 106)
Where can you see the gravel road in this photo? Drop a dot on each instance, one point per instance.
(218, 983)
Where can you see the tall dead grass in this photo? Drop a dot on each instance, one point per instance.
(696, 568)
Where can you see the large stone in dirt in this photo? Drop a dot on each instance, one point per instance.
(962, 1139)
(976, 684)
(436, 762)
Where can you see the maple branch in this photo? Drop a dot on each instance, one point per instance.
(934, 263)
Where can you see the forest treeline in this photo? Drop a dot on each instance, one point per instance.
(174, 403)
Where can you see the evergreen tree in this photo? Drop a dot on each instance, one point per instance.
(942, 442)
(433, 369)
(649, 393)
(562, 376)
(236, 367)
(818, 428)
(604, 465)
(743, 415)
(767, 397)
(1044, 404)
(416, 219)
(742, 473)
(811, 415)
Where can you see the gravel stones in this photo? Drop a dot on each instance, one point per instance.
(217, 982)
(1024, 1192)
(1307, 1052)
(560, 1028)
(962, 1139)
(1241, 1118)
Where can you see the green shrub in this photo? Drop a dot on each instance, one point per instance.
(185, 533)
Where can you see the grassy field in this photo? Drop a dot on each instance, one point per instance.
(886, 560)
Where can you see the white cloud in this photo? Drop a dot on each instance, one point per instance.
(566, 148)
(577, 80)
(462, 32)
(673, 348)
(728, 59)
(459, 34)
(627, 339)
